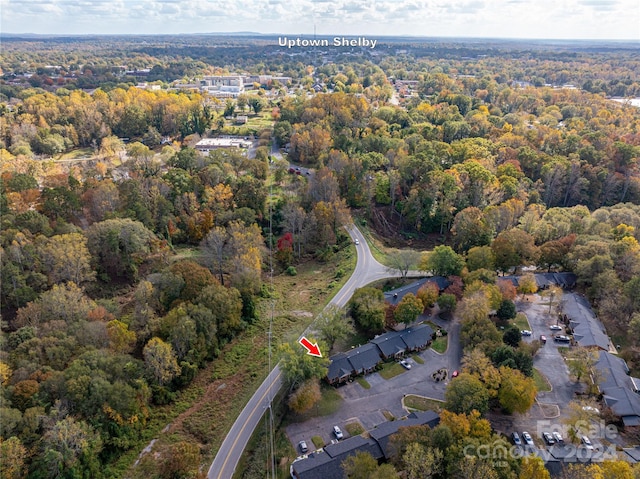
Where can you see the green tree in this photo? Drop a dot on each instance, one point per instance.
(470, 229)
(70, 449)
(428, 294)
(466, 393)
(333, 325)
(474, 308)
(447, 302)
(121, 340)
(513, 248)
(160, 361)
(532, 467)
(13, 455)
(66, 258)
(442, 261)
(481, 257)
(367, 308)
(512, 336)
(226, 306)
(507, 310)
(120, 245)
(527, 284)
(408, 309)
(422, 463)
(403, 260)
(476, 363)
(517, 392)
(480, 333)
(298, 367)
(305, 397)
(364, 466)
(195, 277)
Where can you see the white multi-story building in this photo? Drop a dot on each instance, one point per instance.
(229, 86)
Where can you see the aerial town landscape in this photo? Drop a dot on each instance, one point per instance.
(404, 247)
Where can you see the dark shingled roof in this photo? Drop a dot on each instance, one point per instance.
(394, 296)
(632, 454)
(418, 336)
(364, 357)
(587, 329)
(328, 464)
(383, 432)
(618, 388)
(339, 367)
(390, 343)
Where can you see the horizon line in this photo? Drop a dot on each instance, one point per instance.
(328, 35)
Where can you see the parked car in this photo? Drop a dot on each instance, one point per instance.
(592, 409)
(558, 437)
(587, 442)
(548, 438)
(454, 374)
(543, 339)
(528, 440)
(562, 339)
(303, 446)
(555, 327)
(526, 332)
(405, 363)
(337, 432)
(516, 439)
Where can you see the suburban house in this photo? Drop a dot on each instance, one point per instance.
(544, 280)
(587, 329)
(360, 360)
(390, 345)
(327, 462)
(619, 390)
(365, 358)
(394, 296)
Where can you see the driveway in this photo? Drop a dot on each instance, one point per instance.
(367, 405)
(552, 405)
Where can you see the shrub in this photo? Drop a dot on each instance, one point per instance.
(291, 271)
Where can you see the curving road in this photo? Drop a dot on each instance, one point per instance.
(367, 270)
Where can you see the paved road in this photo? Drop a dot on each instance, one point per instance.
(367, 270)
(367, 405)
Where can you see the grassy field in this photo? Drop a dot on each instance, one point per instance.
(205, 410)
(391, 370)
(80, 153)
(542, 384)
(417, 359)
(420, 403)
(440, 344)
(354, 428)
(521, 322)
(363, 382)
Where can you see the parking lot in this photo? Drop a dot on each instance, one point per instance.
(550, 405)
(367, 405)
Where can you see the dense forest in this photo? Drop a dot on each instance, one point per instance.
(104, 320)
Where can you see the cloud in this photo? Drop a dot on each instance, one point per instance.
(495, 18)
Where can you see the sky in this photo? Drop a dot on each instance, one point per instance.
(543, 19)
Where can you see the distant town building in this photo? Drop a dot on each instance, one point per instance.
(209, 144)
(229, 86)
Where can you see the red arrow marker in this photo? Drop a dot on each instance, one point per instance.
(312, 349)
